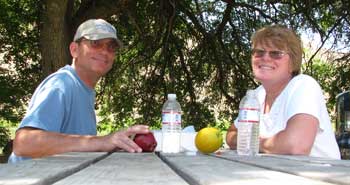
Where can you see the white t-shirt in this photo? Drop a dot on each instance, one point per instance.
(302, 95)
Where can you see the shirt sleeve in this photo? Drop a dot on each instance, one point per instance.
(46, 110)
(305, 97)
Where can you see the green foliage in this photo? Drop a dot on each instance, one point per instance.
(206, 65)
(106, 127)
(19, 55)
(199, 50)
(5, 134)
(222, 125)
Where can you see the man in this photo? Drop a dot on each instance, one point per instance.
(61, 116)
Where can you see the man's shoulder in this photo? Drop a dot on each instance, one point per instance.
(61, 78)
(66, 73)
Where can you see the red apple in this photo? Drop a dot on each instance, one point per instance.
(146, 141)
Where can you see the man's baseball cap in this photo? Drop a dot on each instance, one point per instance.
(96, 29)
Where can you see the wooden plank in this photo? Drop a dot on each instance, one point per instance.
(47, 170)
(207, 170)
(125, 169)
(344, 163)
(333, 171)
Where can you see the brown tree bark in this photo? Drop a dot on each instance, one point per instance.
(55, 35)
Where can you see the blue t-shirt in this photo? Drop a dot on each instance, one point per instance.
(61, 103)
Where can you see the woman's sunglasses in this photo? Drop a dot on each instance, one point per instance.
(272, 54)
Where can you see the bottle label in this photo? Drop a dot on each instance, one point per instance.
(250, 115)
(171, 117)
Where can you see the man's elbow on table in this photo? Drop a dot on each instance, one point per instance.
(23, 144)
(19, 146)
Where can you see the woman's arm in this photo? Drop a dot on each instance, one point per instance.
(296, 139)
(231, 137)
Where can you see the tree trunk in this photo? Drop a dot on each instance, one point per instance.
(55, 35)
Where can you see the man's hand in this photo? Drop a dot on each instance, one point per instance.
(122, 139)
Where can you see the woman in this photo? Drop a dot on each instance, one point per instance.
(294, 116)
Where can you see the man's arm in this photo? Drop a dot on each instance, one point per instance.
(296, 139)
(32, 142)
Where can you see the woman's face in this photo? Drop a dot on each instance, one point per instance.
(271, 65)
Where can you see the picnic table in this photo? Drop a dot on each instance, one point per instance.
(224, 167)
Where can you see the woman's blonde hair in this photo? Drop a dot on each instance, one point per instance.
(282, 38)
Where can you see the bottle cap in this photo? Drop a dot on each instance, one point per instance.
(172, 96)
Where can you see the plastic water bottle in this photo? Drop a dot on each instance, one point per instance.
(248, 125)
(171, 125)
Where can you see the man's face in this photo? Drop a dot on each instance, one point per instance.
(94, 57)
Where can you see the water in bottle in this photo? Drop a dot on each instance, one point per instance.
(248, 125)
(171, 125)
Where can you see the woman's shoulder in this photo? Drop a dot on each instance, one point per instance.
(305, 85)
(304, 77)
(304, 80)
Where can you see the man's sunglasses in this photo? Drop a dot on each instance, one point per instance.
(272, 54)
(111, 46)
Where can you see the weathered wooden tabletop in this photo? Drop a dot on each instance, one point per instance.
(225, 167)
